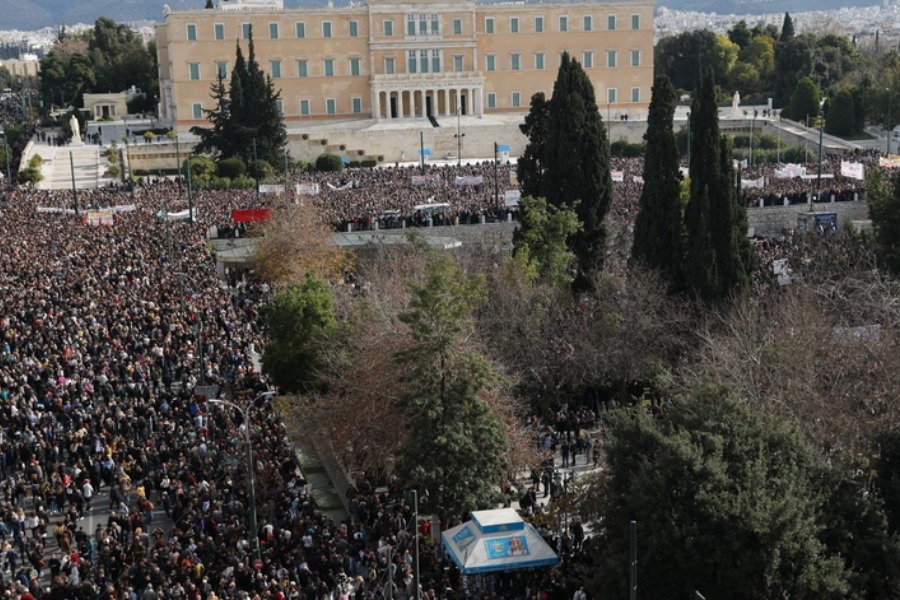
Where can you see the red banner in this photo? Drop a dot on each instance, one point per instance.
(251, 215)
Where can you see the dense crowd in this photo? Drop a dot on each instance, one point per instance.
(105, 333)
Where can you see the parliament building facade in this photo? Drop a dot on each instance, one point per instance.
(387, 60)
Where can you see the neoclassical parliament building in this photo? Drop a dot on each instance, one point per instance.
(390, 59)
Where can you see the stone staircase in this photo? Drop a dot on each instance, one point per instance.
(57, 168)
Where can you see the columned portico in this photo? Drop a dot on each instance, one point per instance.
(415, 96)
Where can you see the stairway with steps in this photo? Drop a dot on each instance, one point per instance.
(57, 168)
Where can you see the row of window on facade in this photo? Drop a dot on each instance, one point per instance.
(422, 25)
(418, 61)
(306, 108)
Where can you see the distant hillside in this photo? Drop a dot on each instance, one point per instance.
(27, 15)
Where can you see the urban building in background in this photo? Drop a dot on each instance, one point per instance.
(419, 59)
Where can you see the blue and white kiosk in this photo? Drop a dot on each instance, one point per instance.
(496, 540)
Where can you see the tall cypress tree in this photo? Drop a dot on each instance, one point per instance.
(531, 164)
(577, 158)
(787, 28)
(657, 229)
(718, 256)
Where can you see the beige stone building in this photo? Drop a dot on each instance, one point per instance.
(387, 60)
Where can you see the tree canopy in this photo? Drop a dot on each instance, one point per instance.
(445, 399)
(727, 503)
(657, 229)
(718, 256)
(541, 240)
(577, 155)
(110, 57)
(530, 167)
(247, 117)
(300, 318)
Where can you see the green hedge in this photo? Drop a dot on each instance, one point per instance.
(329, 163)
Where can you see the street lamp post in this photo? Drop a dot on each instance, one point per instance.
(459, 137)
(496, 175)
(416, 534)
(689, 142)
(889, 131)
(6, 150)
(752, 123)
(178, 159)
(821, 129)
(251, 474)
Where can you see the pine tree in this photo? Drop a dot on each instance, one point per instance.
(215, 140)
(250, 113)
(657, 229)
(718, 256)
(578, 164)
(532, 162)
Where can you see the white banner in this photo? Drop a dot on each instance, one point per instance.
(739, 164)
(618, 175)
(753, 183)
(512, 197)
(121, 208)
(637, 179)
(854, 170)
(424, 179)
(346, 186)
(271, 188)
(99, 218)
(181, 215)
(790, 171)
(889, 162)
(308, 189)
(467, 180)
(55, 209)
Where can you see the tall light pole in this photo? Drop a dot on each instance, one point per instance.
(459, 137)
(251, 469)
(821, 127)
(889, 130)
(752, 123)
(689, 143)
(416, 534)
(496, 176)
(6, 150)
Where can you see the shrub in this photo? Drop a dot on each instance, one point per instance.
(36, 161)
(354, 164)
(231, 168)
(795, 154)
(626, 149)
(369, 163)
(329, 163)
(260, 169)
(202, 168)
(112, 172)
(242, 183)
(30, 175)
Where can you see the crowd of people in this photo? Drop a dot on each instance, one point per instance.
(106, 332)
